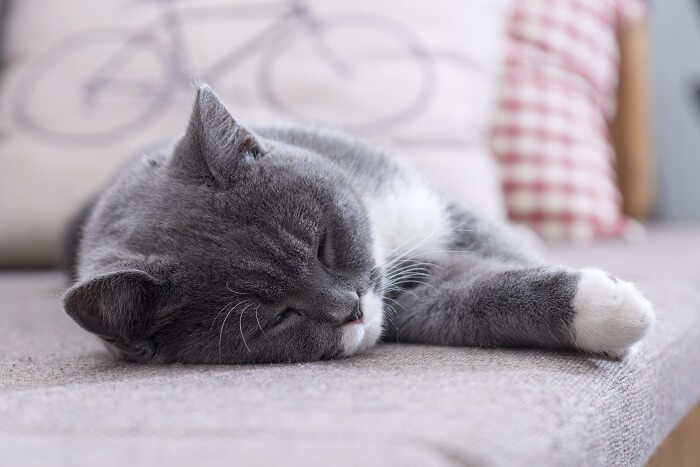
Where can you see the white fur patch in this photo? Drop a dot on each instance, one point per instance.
(359, 337)
(611, 314)
(409, 221)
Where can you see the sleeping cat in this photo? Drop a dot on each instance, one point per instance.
(292, 244)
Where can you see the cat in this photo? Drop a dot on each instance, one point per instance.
(289, 244)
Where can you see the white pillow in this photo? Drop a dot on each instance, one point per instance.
(89, 84)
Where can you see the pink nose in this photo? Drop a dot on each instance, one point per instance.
(356, 316)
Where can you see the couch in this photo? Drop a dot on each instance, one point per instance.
(64, 400)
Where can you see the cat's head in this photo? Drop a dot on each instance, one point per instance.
(229, 248)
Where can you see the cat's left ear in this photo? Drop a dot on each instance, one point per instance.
(120, 307)
(214, 145)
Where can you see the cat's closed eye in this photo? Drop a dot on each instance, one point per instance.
(325, 253)
(287, 314)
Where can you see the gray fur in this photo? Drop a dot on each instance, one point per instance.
(194, 252)
(492, 291)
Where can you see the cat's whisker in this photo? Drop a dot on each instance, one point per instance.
(395, 302)
(222, 309)
(233, 291)
(407, 266)
(426, 238)
(393, 289)
(408, 271)
(258, 320)
(412, 274)
(433, 252)
(397, 248)
(407, 278)
(410, 292)
(401, 262)
(414, 260)
(436, 251)
(402, 258)
(404, 274)
(397, 286)
(458, 228)
(427, 284)
(240, 325)
(410, 239)
(409, 316)
(411, 280)
(221, 331)
(389, 317)
(411, 250)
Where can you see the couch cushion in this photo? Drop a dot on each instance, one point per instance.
(86, 91)
(63, 401)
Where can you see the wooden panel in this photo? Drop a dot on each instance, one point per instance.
(631, 129)
(682, 447)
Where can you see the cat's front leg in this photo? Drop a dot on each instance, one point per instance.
(479, 302)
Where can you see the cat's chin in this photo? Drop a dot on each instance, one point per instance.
(358, 337)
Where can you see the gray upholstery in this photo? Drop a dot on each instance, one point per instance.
(63, 401)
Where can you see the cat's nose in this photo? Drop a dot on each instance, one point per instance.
(356, 314)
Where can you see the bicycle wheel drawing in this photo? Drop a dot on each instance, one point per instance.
(370, 71)
(93, 87)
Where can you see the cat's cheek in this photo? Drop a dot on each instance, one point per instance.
(359, 337)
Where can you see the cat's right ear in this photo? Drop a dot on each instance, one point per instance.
(119, 307)
(215, 145)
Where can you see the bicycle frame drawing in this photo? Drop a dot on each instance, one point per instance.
(163, 41)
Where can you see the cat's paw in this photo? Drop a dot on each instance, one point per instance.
(611, 314)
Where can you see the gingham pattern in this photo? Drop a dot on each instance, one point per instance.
(551, 128)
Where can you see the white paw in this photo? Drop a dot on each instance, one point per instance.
(611, 314)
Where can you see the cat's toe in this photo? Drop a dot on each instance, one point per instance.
(611, 314)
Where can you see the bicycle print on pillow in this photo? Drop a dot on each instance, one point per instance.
(301, 60)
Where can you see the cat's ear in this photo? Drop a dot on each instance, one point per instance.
(214, 144)
(119, 307)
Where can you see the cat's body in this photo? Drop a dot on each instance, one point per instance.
(290, 244)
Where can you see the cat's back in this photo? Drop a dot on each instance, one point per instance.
(370, 169)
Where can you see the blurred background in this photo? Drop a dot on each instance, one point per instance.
(575, 119)
(674, 35)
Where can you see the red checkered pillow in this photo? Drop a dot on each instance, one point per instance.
(551, 129)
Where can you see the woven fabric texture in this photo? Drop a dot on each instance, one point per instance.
(64, 402)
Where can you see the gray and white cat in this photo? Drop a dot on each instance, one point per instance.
(291, 244)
